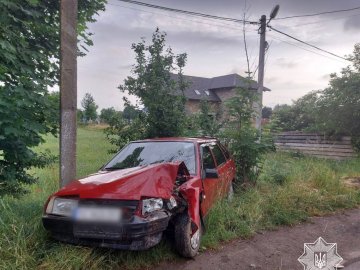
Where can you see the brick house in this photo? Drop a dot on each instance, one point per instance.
(216, 91)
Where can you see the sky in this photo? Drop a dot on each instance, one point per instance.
(216, 48)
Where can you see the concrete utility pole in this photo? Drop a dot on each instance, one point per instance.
(262, 31)
(263, 45)
(68, 90)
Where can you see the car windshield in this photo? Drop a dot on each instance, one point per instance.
(146, 153)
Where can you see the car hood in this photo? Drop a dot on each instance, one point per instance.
(155, 180)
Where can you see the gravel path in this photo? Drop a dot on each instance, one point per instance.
(280, 249)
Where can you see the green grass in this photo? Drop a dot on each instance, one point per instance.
(289, 190)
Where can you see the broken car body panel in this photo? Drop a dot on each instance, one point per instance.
(168, 183)
(155, 180)
(192, 192)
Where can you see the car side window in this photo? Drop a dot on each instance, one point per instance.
(225, 151)
(219, 156)
(208, 161)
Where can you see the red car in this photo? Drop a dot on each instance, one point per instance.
(148, 187)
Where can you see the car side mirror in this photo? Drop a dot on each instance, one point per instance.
(211, 173)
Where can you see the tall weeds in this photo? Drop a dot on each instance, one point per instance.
(289, 190)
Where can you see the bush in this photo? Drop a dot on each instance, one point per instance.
(244, 141)
(121, 132)
(247, 151)
(207, 124)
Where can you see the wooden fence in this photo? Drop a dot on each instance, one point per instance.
(315, 145)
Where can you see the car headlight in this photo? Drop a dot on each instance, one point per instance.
(151, 205)
(61, 206)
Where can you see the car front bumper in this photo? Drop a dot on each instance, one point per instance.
(136, 234)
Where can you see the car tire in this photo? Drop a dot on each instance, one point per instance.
(187, 245)
(230, 195)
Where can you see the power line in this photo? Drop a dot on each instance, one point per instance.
(308, 44)
(218, 24)
(192, 13)
(324, 21)
(317, 14)
(228, 26)
(207, 16)
(295, 45)
(256, 57)
(267, 55)
(251, 56)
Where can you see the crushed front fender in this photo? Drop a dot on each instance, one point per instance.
(191, 193)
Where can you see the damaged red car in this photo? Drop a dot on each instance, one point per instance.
(149, 187)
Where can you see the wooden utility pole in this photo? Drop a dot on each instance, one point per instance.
(68, 90)
(262, 31)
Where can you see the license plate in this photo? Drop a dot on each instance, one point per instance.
(97, 214)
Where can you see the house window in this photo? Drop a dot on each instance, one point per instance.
(197, 92)
(207, 92)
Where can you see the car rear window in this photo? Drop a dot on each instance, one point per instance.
(146, 153)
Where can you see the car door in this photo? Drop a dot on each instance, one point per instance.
(209, 179)
(230, 164)
(222, 170)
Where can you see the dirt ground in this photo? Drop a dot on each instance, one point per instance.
(280, 249)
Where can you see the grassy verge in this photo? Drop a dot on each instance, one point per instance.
(290, 189)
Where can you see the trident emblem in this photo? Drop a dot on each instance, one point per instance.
(320, 259)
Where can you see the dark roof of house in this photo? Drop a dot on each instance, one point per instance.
(198, 88)
(201, 88)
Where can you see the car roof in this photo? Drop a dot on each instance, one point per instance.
(181, 139)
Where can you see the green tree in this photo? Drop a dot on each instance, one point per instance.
(300, 116)
(266, 112)
(121, 132)
(130, 112)
(243, 139)
(304, 111)
(338, 106)
(162, 98)
(206, 121)
(152, 84)
(80, 116)
(355, 57)
(107, 115)
(29, 64)
(333, 111)
(90, 107)
(283, 116)
(54, 99)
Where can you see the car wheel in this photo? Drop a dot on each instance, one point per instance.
(230, 194)
(187, 245)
